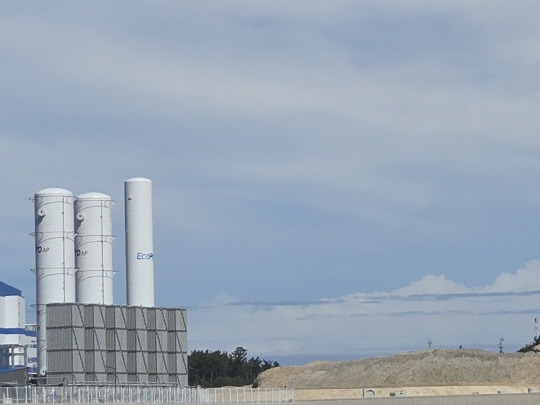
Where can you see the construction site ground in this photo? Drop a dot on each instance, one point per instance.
(412, 374)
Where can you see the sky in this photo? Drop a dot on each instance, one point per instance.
(342, 178)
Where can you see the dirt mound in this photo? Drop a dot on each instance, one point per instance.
(424, 368)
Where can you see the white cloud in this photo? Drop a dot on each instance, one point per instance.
(432, 308)
(526, 279)
(432, 284)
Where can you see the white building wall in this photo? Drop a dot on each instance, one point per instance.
(14, 314)
(12, 320)
(13, 331)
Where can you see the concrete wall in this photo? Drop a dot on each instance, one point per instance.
(358, 393)
(496, 399)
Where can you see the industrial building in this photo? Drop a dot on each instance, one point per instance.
(90, 343)
(82, 337)
(17, 339)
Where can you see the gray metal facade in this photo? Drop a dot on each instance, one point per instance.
(116, 344)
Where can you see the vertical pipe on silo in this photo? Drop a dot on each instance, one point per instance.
(139, 242)
(93, 249)
(55, 258)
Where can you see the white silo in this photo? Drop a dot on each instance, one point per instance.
(139, 242)
(55, 257)
(93, 249)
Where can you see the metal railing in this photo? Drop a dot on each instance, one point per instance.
(143, 395)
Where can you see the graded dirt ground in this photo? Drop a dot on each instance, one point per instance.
(413, 369)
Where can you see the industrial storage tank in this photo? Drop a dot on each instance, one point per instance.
(55, 257)
(93, 249)
(139, 242)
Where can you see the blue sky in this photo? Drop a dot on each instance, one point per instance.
(311, 161)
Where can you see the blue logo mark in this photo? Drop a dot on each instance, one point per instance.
(145, 256)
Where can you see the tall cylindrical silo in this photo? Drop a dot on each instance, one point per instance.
(93, 249)
(55, 257)
(139, 242)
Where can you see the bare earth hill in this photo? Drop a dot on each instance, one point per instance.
(420, 369)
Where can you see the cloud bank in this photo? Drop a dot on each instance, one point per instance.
(431, 309)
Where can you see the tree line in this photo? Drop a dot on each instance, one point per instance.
(218, 369)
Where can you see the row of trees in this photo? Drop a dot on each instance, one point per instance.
(218, 369)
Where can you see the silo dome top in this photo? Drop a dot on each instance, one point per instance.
(94, 196)
(138, 180)
(53, 191)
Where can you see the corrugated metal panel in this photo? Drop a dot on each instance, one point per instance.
(110, 343)
(152, 363)
(79, 377)
(140, 318)
(182, 342)
(181, 320)
(77, 334)
(78, 361)
(142, 378)
(163, 378)
(88, 350)
(110, 312)
(99, 316)
(173, 378)
(89, 362)
(121, 362)
(142, 367)
(182, 379)
(161, 341)
(161, 323)
(131, 362)
(121, 378)
(59, 339)
(58, 315)
(151, 341)
(121, 339)
(161, 364)
(77, 316)
(142, 340)
(171, 319)
(88, 315)
(171, 363)
(132, 340)
(89, 343)
(100, 376)
(100, 362)
(181, 363)
(100, 340)
(59, 361)
(176, 319)
(90, 377)
(171, 341)
(130, 318)
(110, 359)
(151, 318)
(59, 378)
(120, 321)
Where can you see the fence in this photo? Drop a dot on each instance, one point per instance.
(146, 395)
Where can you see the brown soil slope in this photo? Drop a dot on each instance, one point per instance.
(424, 368)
